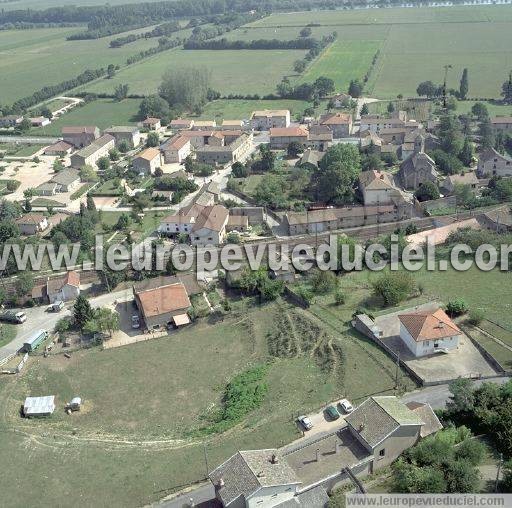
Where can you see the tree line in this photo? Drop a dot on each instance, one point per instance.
(159, 31)
(219, 44)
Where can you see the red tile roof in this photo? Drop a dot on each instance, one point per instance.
(155, 302)
(288, 131)
(428, 325)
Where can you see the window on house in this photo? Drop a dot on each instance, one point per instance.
(382, 452)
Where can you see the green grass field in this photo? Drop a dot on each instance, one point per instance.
(32, 59)
(416, 44)
(102, 113)
(343, 61)
(232, 71)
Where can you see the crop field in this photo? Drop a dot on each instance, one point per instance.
(45, 4)
(151, 399)
(343, 61)
(415, 45)
(245, 71)
(31, 59)
(102, 113)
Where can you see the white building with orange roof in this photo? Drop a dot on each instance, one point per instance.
(428, 332)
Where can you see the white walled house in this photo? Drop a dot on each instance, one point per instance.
(65, 288)
(492, 163)
(427, 332)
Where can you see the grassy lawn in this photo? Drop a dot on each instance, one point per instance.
(501, 354)
(102, 113)
(419, 110)
(19, 150)
(108, 188)
(231, 71)
(7, 333)
(494, 109)
(157, 391)
(235, 109)
(342, 61)
(150, 222)
(47, 202)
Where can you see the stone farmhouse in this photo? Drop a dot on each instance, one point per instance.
(92, 153)
(281, 137)
(125, 133)
(204, 125)
(320, 137)
(427, 332)
(176, 149)
(270, 118)
(181, 124)
(32, 223)
(339, 123)
(492, 163)
(378, 188)
(60, 149)
(225, 147)
(80, 137)
(147, 161)
(66, 180)
(152, 124)
(376, 123)
(501, 124)
(205, 225)
(468, 178)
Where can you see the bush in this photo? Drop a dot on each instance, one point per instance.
(476, 316)
(394, 287)
(456, 307)
(339, 297)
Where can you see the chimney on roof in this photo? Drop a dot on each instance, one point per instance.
(274, 459)
(261, 474)
(337, 447)
(440, 325)
(221, 483)
(318, 456)
(361, 427)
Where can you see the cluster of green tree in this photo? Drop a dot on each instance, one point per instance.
(355, 89)
(476, 238)
(394, 287)
(338, 172)
(306, 91)
(446, 462)
(32, 26)
(220, 44)
(485, 410)
(258, 282)
(48, 92)
(456, 150)
(198, 168)
(164, 44)
(432, 90)
(91, 321)
(78, 228)
(180, 186)
(159, 31)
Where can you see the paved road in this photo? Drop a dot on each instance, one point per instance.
(197, 496)
(39, 318)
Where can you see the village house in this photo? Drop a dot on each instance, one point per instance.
(92, 153)
(270, 118)
(399, 120)
(238, 223)
(368, 139)
(205, 225)
(501, 124)
(320, 137)
(331, 219)
(10, 121)
(427, 332)
(179, 124)
(378, 188)
(163, 306)
(67, 180)
(255, 478)
(176, 149)
(339, 123)
(225, 147)
(204, 125)
(499, 220)
(80, 136)
(386, 427)
(129, 134)
(281, 137)
(64, 289)
(60, 149)
(417, 169)
(152, 124)
(40, 121)
(395, 136)
(492, 163)
(147, 161)
(416, 138)
(232, 125)
(468, 178)
(32, 223)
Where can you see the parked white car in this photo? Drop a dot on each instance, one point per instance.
(135, 321)
(346, 406)
(305, 422)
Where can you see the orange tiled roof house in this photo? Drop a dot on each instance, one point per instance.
(428, 332)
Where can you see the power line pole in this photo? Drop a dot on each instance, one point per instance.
(206, 460)
(500, 463)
